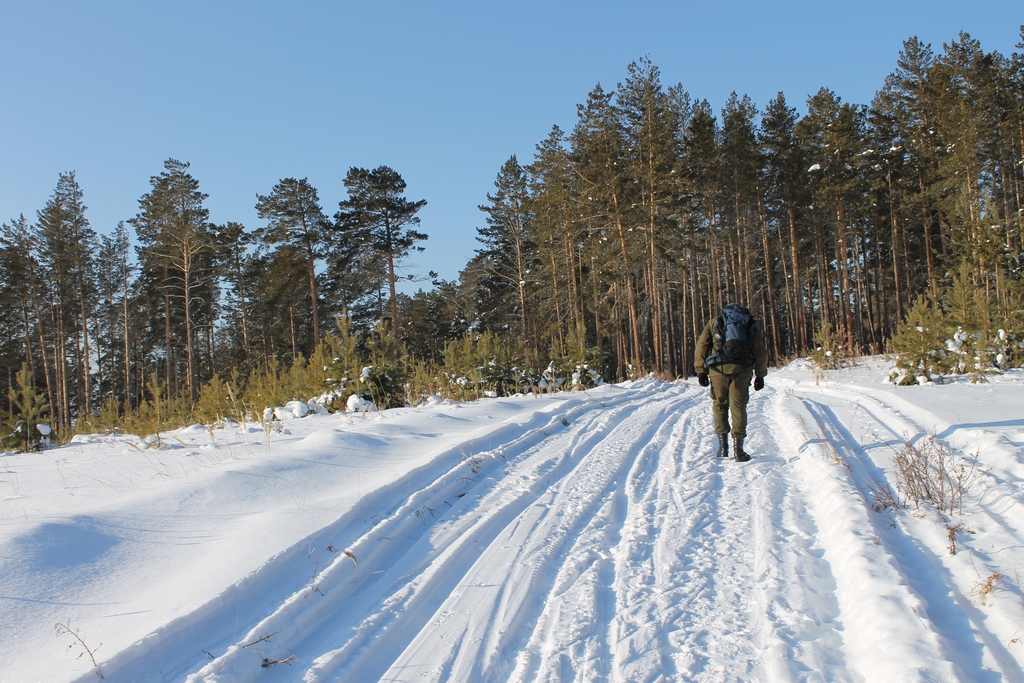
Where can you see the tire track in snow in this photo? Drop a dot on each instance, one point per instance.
(908, 423)
(795, 624)
(551, 549)
(243, 607)
(575, 634)
(659, 584)
(405, 556)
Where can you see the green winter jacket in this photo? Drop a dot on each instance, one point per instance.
(706, 346)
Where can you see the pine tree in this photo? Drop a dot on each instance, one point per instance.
(434, 318)
(909, 99)
(921, 344)
(176, 251)
(114, 317)
(784, 191)
(509, 253)
(29, 408)
(889, 199)
(18, 324)
(712, 277)
(975, 175)
(557, 233)
(383, 380)
(295, 219)
(378, 216)
(609, 204)
(650, 123)
(232, 242)
(66, 247)
(832, 134)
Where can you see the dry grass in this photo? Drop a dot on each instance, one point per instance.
(837, 456)
(929, 471)
(885, 498)
(985, 587)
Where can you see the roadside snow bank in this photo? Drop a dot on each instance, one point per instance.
(887, 624)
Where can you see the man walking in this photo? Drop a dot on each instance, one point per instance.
(729, 351)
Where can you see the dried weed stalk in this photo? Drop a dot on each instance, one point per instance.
(65, 629)
(984, 587)
(268, 662)
(951, 535)
(264, 638)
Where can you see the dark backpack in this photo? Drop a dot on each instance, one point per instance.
(734, 337)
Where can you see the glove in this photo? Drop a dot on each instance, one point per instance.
(758, 383)
(703, 379)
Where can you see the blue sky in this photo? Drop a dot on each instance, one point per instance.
(443, 92)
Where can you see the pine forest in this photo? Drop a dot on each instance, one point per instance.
(849, 229)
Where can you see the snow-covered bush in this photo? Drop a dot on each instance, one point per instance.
(336, 365)
(963, 332)
(563, 373)
(973, 345)
(582, 362)
(382, 381)
(424, 381)
(108, 420)
(552, 379)
(632, 372)
(374, 368)
(482, 362)
(1009, 348)
(358, 404)
(266, 387)
(291, 410)
(577, 370)
(972, 354)
(337, 370)
(920, 344)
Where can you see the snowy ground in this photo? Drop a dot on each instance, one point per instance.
(578, 537)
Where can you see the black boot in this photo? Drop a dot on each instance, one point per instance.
(740, 454)
(723, 445)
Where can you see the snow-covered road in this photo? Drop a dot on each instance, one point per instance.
(580, 537)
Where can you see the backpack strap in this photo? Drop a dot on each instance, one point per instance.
(717, 334)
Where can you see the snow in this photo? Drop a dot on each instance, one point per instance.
(358, 404)
(577, 536)
(292, 410)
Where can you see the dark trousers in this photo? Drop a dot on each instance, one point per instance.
(729, 395)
